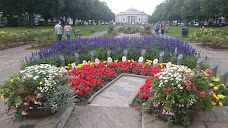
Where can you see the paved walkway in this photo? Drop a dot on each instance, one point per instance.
(110, 108)
(121, 93)
(10, 61)
(104, 117)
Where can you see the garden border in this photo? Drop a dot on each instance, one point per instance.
(111, 82)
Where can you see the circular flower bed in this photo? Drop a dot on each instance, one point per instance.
(38, 87)
(180, 92)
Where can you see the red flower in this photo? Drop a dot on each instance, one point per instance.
(169, 89)
(208, 71)
(187, 82)
(203, 94)
(80, 93)
(87, 90)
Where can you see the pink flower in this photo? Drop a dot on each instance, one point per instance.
(189, 88)
(211, 93)
(203, 94)
(208, 71)
(187, 82)
(194, 88)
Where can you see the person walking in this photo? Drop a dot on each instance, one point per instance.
(68, 31)
(157, 28)
(58, 31)
(162, 28)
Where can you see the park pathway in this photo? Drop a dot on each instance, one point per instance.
(110, 108)
(10, 61)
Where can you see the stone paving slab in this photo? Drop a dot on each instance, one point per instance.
(104, 117)
(119, 93)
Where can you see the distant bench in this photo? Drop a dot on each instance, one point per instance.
(77, 33)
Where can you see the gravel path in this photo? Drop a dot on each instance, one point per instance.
(10, 61)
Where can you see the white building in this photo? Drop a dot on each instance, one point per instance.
(132, 16)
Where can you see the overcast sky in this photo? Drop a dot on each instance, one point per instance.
(147, 6)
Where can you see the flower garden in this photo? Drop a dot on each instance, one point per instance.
(212, 37)
(175, 93)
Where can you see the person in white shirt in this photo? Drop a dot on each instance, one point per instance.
(58, 31)
(67, 31)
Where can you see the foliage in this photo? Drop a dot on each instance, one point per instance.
(215, 38)
(187, 10)
(39, 86)
(152, 45)
(50, 9)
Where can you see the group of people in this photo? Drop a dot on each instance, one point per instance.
(160, 27)
(67, 31)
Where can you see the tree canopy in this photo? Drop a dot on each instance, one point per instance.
(187, 10)
(55, 9)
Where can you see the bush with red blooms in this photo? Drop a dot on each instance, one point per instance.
(89, 78)
(144, 91)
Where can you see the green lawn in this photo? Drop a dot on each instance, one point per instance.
(85, 29)
(176, 31)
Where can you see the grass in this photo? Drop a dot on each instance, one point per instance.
(176, 31)
(85, 29)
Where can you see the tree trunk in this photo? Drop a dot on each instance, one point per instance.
(30, 24)
(73, 18)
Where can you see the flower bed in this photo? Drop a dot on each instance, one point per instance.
(214, 38)
(152, 45)
(178, 94)
(44, 37)
(39, 87)
(88, 78)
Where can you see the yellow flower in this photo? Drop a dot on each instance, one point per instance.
(211, 84)
(132, 60)
(2, 96)
(161, 65)
(215, 79)
(220, 96)
(91, 63)
(214, 95)
(104, 61)
(216, 87)
(66, 67)
(11, 80)
(206, 74)
(220, 104)
(70, 70)
(213, 103)
(79, 65)
(116, 61)
(129, 61)
(223, 85)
